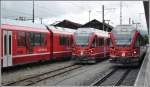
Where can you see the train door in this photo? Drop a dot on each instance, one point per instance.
(101, 47)
(104, 47)
(7, 48)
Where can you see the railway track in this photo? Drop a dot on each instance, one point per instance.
(113, 78)
(43, 76)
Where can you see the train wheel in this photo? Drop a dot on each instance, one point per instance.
(40, 61)
(93, 61)
(137, 64)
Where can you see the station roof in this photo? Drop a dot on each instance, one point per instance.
(146, 8)
(68, 24)
(98, 25)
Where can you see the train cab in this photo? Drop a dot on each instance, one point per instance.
(90, 45)
(127, 45)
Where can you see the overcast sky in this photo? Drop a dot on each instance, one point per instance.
(76, 11)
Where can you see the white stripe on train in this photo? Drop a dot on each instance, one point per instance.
(41, 53)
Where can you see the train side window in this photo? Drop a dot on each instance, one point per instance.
(142, 41)
(71, 42)
(27, 35)
(32, 39)
(43, 40)
(94, 43)
(37, 39)
(97, 42)
(21, 39)
(61, 40)
(101, 41)
(64, 40)
(68, 41)
(110, 43)
(137, 43)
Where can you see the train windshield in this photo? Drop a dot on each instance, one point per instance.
(82, 39)
(123, 37)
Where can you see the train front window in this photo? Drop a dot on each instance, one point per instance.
(123, 38)
(82, 39)
(123, 34)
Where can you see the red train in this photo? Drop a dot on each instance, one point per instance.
(127, 45)
(89, 45)
(23, 42)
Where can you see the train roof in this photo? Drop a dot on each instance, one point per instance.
(93, 30)
(125, 28)
(22, 23)
(61, 30)
(128, 28)
(19, 25)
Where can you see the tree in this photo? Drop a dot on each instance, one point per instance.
(146, 39)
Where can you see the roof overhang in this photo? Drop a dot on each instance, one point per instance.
(146, 8)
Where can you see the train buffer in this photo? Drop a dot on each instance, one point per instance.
(143, 78)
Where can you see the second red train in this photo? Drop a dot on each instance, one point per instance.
(90, 45)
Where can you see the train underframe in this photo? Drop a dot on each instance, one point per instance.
(126, 61)
(86, 59)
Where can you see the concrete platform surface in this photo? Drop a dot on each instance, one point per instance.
(143, 78)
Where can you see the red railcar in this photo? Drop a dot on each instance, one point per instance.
(127, 45)
(89, 45)
(23, 42)
(62, 42)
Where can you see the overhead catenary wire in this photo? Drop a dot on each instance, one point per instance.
(40, 7)
(47, 9)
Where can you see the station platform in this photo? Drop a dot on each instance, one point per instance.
(143, 78)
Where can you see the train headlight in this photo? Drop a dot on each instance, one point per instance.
(91, 51)
(81, 53)
(123, 54)
(134, 52)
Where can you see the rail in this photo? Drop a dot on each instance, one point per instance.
(43, 76)
(109, 79)
(143, 78)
